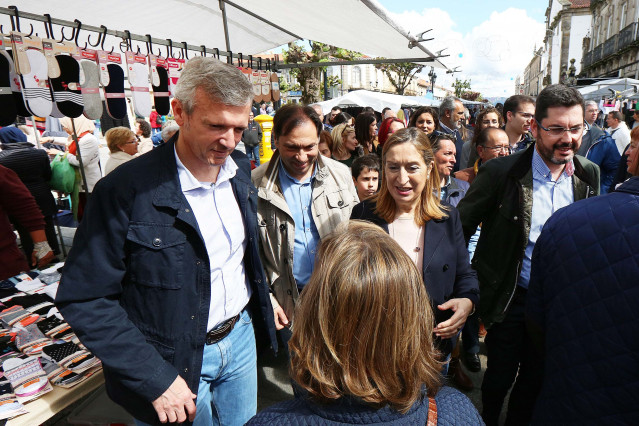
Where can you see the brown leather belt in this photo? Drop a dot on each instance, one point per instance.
(221, 331)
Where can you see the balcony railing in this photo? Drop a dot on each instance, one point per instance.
(596, 53)
(610, 46)
(587, 60)
(627, 35)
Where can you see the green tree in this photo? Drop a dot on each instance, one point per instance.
(309, 79)
(461, 87)
(400, 75)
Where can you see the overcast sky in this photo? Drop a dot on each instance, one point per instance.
(490, 40)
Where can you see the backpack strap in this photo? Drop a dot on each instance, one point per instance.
(432, 412)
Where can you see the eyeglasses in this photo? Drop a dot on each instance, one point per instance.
(559, 131)
(136, 141)
(526, 115)
(505, 148)
(347, 128)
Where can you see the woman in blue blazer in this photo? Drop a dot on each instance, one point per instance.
(408, 208)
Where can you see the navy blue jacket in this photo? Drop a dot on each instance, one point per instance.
(456, 191)
(582, 302)
(604, 153)
(136, 285)
(453, 408)
(446, 269)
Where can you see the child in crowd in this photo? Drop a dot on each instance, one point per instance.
(365, 172)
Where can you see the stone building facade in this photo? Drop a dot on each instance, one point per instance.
(612, 48)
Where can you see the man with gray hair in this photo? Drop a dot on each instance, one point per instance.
(599, 147)
(164, 282)
(451, 114)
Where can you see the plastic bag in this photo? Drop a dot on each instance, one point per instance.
(62, 174)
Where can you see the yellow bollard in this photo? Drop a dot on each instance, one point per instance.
(266, 121)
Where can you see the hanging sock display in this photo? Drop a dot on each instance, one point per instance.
(8, 110)
(138, 71)
(16, 89)
(35, 85)
(160, 84)
(66, 87)
(275, 87)
(90, 86)
(31, 65)
(112, 78)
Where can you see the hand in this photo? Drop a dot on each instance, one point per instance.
(281, 320)
(171, 404)
(461, 308)
(46, 139)
(43, 261)
(42, 254)
(53, 151)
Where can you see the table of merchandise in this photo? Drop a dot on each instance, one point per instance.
(47, 406)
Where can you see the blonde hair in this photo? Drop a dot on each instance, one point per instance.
(118, 136)
(367, 333)
(337, 134)
(429, 206)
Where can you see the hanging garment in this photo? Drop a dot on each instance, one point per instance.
(139, 83)
(16, 89)
(8, 110)
(161, 92)
(66, 87)
(35, 85)
(114, 92)
(90, 82)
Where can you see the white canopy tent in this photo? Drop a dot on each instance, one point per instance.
(370, 30)
(376, 100)
(606, 88)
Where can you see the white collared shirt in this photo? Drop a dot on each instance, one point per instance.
(222, 227)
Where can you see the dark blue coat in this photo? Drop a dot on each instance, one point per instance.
(456, 191)
(604, 153)
(446, 269)
(136, 286)
(583, 303)
(453, 408)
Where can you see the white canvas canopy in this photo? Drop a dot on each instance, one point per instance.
(627, 86)
(360, 25)
(376, 100)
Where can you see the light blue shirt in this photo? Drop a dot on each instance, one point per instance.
(222, 228)
(548, 197)
(299, 197)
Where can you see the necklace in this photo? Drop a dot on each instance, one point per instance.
(416, 249)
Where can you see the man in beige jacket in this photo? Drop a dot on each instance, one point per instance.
(302, 197)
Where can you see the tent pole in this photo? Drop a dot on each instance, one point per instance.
(226, 31)
(258, 17)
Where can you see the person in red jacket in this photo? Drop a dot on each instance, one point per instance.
(17, 202)
(156, 121)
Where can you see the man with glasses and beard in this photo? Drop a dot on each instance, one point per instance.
(513, 197)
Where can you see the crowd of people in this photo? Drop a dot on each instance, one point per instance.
(373, 253)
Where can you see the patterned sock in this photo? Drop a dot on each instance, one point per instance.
(16, 89)
(35, 85)
(66, 88)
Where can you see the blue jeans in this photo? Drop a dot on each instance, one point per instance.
(155, 130)
(253, 153)
(227, 393)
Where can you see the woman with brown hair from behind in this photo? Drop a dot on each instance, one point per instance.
(362, 347)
